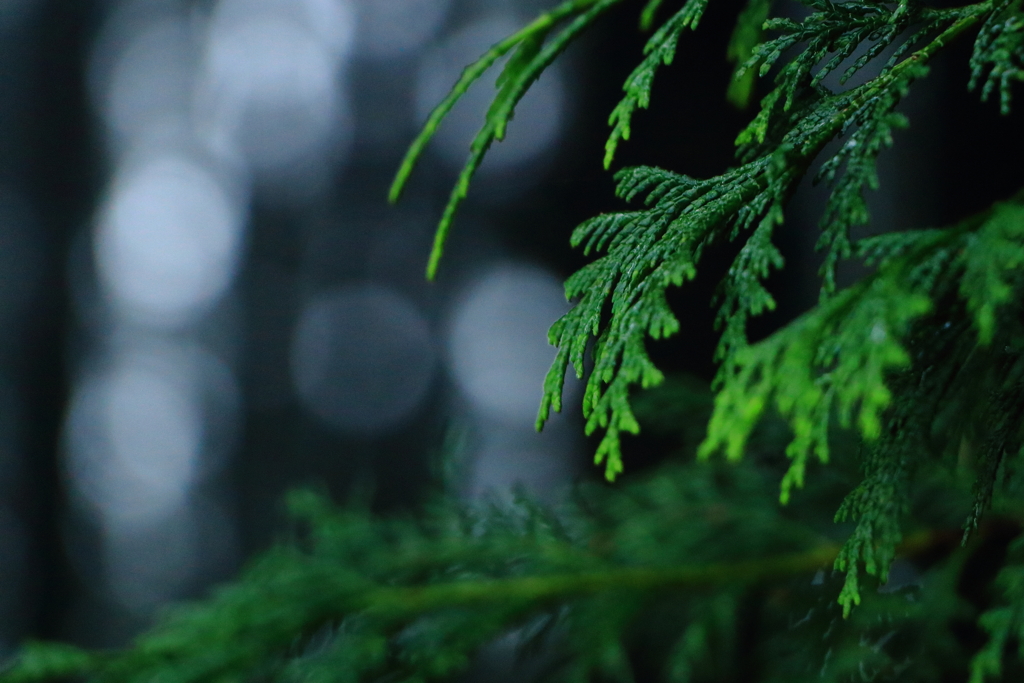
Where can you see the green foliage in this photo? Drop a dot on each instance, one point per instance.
(660, 49)
(999, 52)
(851, 361)
(909, 383)
(353, 597)
(992, 258)
(839, 354)
(609, 581)
(532, 50)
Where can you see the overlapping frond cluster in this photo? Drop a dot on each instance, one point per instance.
(360, 598)
(670, 570)
(622, 295)
(920, 359)
(921, 329)
(855, 35)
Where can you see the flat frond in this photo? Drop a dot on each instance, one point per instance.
(828, 36)
(854, 164)
(533, 49)
(621, 296)
(660, 50)
(648, 251)
(357, 597)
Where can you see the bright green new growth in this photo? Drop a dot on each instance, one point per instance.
(992, 258)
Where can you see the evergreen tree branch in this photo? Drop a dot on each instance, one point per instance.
(287, 598)
(652, 249)
(536, 46)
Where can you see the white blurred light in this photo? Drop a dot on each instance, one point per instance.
(331, 22)
(270, 85)
(497, 344)
(134, 437)
(538, 117)
(150, 82)
(168, 240)
(389, 28)
(147, 564)
(362, 358)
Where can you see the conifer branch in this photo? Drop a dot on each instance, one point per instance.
(535, 48)
(652, 249)
(271, 618)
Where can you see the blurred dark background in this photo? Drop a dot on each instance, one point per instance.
(206, 300)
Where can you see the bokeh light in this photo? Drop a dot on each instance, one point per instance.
(330, 22)
(168, 240)
(270, 87)
(146, 85)
(135, 435)
(147, 564)
(497, 341)
(510, 459)
(362, 358)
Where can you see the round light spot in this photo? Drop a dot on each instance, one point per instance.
(538, 116)
(151, 81)
(167, 241)
(389, 29)
(497, 343)
(270, 89)
(362, 358)
(134, 437)
(331, 22)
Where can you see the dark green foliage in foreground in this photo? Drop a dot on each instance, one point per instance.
(692, 573)
(909, 384)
